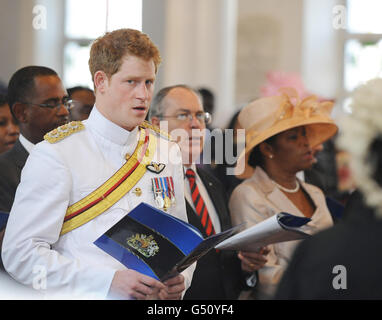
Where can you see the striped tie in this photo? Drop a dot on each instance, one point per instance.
(200, 206)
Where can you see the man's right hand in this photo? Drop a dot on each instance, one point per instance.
(132, 284)
(252, 261)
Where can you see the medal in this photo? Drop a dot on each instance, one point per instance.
(170, 183)
(159, 201)
(158, 193)
(164, 194)
(167, 203)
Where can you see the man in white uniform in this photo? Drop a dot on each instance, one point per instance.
(48, 243)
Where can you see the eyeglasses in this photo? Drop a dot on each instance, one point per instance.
(202, 117)
(68, 104)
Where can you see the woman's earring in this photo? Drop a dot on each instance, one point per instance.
(271, 156)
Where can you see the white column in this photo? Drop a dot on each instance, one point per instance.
(49, 41)
(200, 49)
(322, 64)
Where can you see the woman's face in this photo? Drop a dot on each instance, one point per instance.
(291, 150)
(9, 130)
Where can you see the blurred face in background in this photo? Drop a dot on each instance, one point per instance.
(83, 102)
(9, 130)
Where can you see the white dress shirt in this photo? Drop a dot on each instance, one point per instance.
(54, 177)
(26, 143)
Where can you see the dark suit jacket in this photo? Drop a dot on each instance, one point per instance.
(11, 164)
(217, 274)
(354, 243)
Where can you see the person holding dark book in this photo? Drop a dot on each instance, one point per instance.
(86, 176)
(280, 133)
(179, 109)
(349, 266)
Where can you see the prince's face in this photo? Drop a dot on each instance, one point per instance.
(127, 94)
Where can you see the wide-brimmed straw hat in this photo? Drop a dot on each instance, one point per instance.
(266, 117)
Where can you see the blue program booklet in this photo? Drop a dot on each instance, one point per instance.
(155, 243)
(3, 219)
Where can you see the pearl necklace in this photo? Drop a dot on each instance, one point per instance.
(294, 190)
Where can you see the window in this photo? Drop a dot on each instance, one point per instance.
(363, 42)
(85, 21)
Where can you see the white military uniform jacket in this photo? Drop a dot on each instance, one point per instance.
(60, 174)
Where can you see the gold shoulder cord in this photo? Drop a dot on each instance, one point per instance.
(156, 129)
(63, 131)
(113, 189)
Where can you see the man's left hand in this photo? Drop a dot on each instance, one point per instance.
(174, 288)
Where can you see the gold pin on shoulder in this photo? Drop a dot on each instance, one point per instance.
(164, 134)
(64, 131)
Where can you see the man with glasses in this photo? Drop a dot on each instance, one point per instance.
(179, 110)
(39, 103)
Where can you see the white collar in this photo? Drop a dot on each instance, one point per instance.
(26, 143)
(108, 129)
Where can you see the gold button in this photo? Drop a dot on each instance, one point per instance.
(137, 192)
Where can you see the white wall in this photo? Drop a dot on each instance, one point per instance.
(269, 39)
(17, 36)
(226, 45)
(198, 47)
(322, 63)
(49, 41)
(154, 23)
(22, 43)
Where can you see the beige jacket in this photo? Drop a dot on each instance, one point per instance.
(258, 198)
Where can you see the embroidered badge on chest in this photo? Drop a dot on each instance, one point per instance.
(155, 167)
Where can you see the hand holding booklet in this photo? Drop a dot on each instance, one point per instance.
(155, 243)
(160, 245)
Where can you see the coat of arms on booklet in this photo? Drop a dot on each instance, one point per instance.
(155, 243)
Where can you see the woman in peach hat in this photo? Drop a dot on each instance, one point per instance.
(280, 134)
